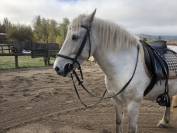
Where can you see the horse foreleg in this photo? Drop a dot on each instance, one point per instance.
(164, 123)
(119, 116)
(118, 107)
(133, 112)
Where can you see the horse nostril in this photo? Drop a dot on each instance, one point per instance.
(68, 67)
(57, 69)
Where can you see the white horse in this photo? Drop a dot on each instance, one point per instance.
(115, 50)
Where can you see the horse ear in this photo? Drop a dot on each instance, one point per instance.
(91, 16)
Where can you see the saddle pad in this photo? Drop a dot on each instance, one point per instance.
(171, 59)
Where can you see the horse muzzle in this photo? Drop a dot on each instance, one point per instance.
(64, 72)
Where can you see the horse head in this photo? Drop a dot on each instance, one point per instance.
(77, 45)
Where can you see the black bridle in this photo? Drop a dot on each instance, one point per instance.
(83, 43)
(80, 78)
(75, 61)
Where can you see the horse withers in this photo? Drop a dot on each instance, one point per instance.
(116, 51)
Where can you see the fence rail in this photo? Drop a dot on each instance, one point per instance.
(10, 50)
(5, 49)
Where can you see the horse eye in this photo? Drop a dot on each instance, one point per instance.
(75, 37)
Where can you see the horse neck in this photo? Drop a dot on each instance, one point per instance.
(116, 63)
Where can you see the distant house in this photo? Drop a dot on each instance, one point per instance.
(3, 37)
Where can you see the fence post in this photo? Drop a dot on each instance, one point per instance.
(48, 58)
(16, 61)
(2, 49)
(9, 49)
(45, 61)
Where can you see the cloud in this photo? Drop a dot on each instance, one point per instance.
(140, 16)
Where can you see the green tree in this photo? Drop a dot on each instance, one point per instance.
(2, 28)
(45, 30)
(63, 27)
(49, 31)
(7, 24)
(20, 33)
(52, 31)
(16, 32)
(37, 33)
(62, 30)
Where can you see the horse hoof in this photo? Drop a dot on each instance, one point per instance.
(162, 124)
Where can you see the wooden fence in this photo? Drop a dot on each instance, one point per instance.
(10, 50)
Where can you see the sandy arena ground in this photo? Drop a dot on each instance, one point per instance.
(39, 101)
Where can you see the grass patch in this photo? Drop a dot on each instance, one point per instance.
(8, 62)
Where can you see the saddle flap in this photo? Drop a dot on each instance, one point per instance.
(155, 63)
(156, 66)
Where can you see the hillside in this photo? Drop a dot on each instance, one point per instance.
(159, 37)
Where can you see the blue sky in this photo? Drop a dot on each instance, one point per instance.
(137, 16)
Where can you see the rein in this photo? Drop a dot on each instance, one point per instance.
(80, 83)
(80, 78)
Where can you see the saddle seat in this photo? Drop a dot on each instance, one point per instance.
(158, 44)
(168, 55)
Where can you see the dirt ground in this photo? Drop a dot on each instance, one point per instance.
(39, 101)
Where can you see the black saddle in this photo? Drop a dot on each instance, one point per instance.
(160, 46)
(157, 67)
(154, 59)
